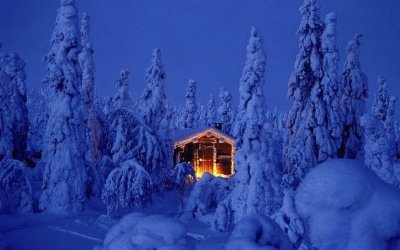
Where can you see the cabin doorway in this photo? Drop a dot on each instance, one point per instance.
(206, 158)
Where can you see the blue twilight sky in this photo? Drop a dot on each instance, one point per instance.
(202, 39)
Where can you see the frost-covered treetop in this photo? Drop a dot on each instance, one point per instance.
(353, 65)
(310, 21)
(308, 60)
(153, 105)
(155, 74)
(64, 47)
(252, 78)
(328, 38)
(123, 80)
(85, 30)
(122, 99)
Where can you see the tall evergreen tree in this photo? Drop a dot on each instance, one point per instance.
(226, 111)
(88, 90)
(211, 113)
(5, 121)
(353, 100)
(17, 100)
(306, 117)
(332, 116)
(257, 178)
(64, 174)
(381, 100)
(190, 115)
(123, 99)
(153, 103)
(308, 136)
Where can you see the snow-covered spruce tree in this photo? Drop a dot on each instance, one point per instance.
(381, 100)
(134, 140)
(5, 119)
(226, 111)
(15, 187)
(211, 112)
(127, 188)
(190, 115)
(309, 140)
(87, 90)
(38, 112)
(332, 117)
(153, 103)
(92, 126)
(64, 175)
(19, 113)
(257, 178)
(379, 149)
(353, 100)
(123, 99)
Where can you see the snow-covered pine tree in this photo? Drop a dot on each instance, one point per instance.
(226, 111)
(309, 140)
(211, 112)
(257, 178)
(123, 99)
(18, 99)
(353, 100)
(64, 174)
(92, 153)
(379, 150)
(87, 90)
(306, 124)
(153, 103)
(332, 117)
(6, 144)
(381, 100)
(190, 115)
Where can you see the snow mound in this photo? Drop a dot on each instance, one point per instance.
(206, 195)
(346, 206)
(15, 188)
(258, 232)
(138, 231)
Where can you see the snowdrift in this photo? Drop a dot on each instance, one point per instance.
(139, 231)
(258, 232)
(346, 206)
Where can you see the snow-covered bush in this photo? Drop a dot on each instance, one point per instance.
(258, 232)
(346, 206)
(15, 187)
(206, 195)
(127, 188)
(137, 231)
(134, 140)
(183, 177)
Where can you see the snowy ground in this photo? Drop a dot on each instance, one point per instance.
(46, 231)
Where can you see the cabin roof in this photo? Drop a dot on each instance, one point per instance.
(188, 135)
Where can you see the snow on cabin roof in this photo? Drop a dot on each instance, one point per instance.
(187, 135)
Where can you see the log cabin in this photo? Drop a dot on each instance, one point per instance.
(207, 150)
